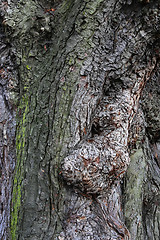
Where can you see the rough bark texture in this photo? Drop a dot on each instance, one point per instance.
(87, 108)
(7, 130)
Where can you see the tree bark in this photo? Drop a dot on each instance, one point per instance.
(85, 91)
(7, 130)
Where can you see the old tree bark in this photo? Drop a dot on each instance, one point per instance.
(79, 119)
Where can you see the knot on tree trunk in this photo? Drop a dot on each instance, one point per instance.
(98, 161)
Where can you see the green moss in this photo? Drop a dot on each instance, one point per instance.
(28, 67)
(71, 61)
(64, 88)
(18, 177)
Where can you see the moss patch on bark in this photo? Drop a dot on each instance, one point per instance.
(18, 177)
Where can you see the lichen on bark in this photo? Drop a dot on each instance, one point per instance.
(19, 170)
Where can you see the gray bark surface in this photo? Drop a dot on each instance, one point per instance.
(88, 130)
(7, 130)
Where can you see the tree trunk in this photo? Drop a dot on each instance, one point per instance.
(82, 80)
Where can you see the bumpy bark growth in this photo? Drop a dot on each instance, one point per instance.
(82, 69)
